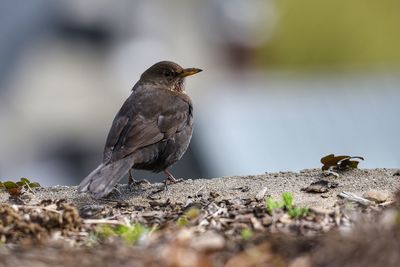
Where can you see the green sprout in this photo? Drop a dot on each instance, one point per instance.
(189, 215)
(18, 188)
(287, 200)
(297, 212)
(182, 221)
(287, 204)
(246, 233)
(128, 233)
(271, 204)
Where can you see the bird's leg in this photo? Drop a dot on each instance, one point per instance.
(130, 178)
(116, 190)
(132, 182)
(170, 178)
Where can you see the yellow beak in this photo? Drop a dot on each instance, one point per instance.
(189, 71)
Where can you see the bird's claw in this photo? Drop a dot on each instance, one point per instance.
(172, 180)
(116, 191)
(133, 183)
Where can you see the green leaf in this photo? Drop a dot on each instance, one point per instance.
(246, 233)
(297, 212)
(10, 185)
(271, 204)
(182, 221)
(192, 213)
(104, 231)
(121, 229)
(34, 185)
(2, 186)
(25, 180)
(131, 234)
(287, 199)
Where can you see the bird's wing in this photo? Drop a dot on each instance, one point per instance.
(148, 116)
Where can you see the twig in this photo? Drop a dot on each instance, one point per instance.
(37, 207)
(387, 204)
(198, 191)
(29, 188)
(330, 172)
(355, 198)
(103, 221)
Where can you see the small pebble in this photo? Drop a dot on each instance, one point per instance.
(376, 195)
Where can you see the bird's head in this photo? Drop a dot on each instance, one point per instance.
(168, 74)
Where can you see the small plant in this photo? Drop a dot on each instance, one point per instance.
(297, 212)
(128, 233)
(18, 188)
(287, 204)
(339, 162)
(189, 215)
(272, 204)
(182, 221)
(287, 200)
(246, 233)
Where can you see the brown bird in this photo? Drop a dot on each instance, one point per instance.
(151, 131)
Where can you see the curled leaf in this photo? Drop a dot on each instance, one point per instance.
(339, 162)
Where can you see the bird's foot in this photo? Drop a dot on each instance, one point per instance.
(115, 191)
(132, 183)
(170, 179)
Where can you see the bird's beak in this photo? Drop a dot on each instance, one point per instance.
(188, 72)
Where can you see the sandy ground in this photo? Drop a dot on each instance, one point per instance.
(355, 181)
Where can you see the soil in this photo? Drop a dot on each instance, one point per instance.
(356, 181)
(210, 222)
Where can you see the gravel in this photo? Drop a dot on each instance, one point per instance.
(357, 181)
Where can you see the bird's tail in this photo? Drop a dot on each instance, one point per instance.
(101, 181)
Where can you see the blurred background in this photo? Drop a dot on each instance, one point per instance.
(285, 82)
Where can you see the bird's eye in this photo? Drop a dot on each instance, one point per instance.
(167, 73)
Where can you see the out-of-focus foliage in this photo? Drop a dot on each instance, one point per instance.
(128, 233)
(18, 188)
(287, 204)
(246, 233)
(189, 215)
(335, 34)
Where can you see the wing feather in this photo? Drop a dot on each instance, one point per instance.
(148, 116)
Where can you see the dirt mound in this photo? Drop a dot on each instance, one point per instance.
(35, 224)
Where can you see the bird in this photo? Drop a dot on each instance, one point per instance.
(151, 131)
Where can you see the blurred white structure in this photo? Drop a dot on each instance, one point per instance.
(257, 123)
(67, 66)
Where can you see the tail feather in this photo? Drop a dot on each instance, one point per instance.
(101, 181)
